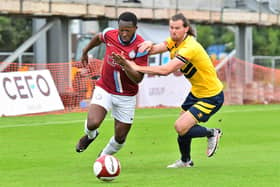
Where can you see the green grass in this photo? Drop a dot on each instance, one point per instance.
(39, 151)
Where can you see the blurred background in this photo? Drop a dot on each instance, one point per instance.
(240, 36)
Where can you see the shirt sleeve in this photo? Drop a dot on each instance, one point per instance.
(185, 54)
(103, 34)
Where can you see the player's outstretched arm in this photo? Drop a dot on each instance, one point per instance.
(128, 67)
(152, 48)
(166, 69)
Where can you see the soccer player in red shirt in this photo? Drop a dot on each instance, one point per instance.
(117, 88)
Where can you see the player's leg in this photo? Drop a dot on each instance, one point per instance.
(184, 141)
(182, 126)
(123, 110)
(91, 125)
(202, 110)
(187, 128)
(100, 104)
(117, 141)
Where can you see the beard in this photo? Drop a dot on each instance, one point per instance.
(175, 38)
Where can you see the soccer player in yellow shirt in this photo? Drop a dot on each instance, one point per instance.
(206, 96)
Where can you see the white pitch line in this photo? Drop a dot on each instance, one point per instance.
(138, 117)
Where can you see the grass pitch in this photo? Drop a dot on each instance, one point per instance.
(39, 151)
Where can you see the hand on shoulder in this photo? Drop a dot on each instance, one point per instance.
(145, 46)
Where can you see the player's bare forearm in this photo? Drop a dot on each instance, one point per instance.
(128, 67)
(152, 48)
(166, 69)
(131, 68)
(153, 70)
(133, 75)
(158, 48)
(95, 41)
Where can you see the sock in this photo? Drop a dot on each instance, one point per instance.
(91, 133)
(112, 147)
(211, 132)
(184, 143)
(185, 140)
(199, 131)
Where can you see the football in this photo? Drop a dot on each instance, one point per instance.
(106, 168)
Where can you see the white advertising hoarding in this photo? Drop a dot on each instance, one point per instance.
(28, 92)
(168, 90)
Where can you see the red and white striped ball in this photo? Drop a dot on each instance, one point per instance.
(106, 167)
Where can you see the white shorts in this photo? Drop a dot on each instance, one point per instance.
(123, 107)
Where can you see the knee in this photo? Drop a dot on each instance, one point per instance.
(93, 123)
(180, 129)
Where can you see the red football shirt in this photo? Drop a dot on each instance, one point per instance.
(113, 79)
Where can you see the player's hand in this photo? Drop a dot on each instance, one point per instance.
(84, 59)
(84, 72)
(145, 46)
(123, 62)
(119, 59)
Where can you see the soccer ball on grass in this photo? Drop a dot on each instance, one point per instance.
(106, 167)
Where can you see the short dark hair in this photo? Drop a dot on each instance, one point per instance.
(128, 16)
(186, 22)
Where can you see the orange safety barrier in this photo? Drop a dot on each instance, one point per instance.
(247, 83)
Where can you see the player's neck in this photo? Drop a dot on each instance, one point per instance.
(127, 42)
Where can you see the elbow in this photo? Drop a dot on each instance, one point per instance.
(138, 80)
(164, 72)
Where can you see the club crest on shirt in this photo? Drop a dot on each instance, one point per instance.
(200, 115)
(132, 54)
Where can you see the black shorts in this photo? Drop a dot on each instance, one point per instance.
(203, 108)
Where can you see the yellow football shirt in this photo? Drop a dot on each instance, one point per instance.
(198, 67)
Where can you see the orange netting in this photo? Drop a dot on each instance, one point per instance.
(247, 83)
